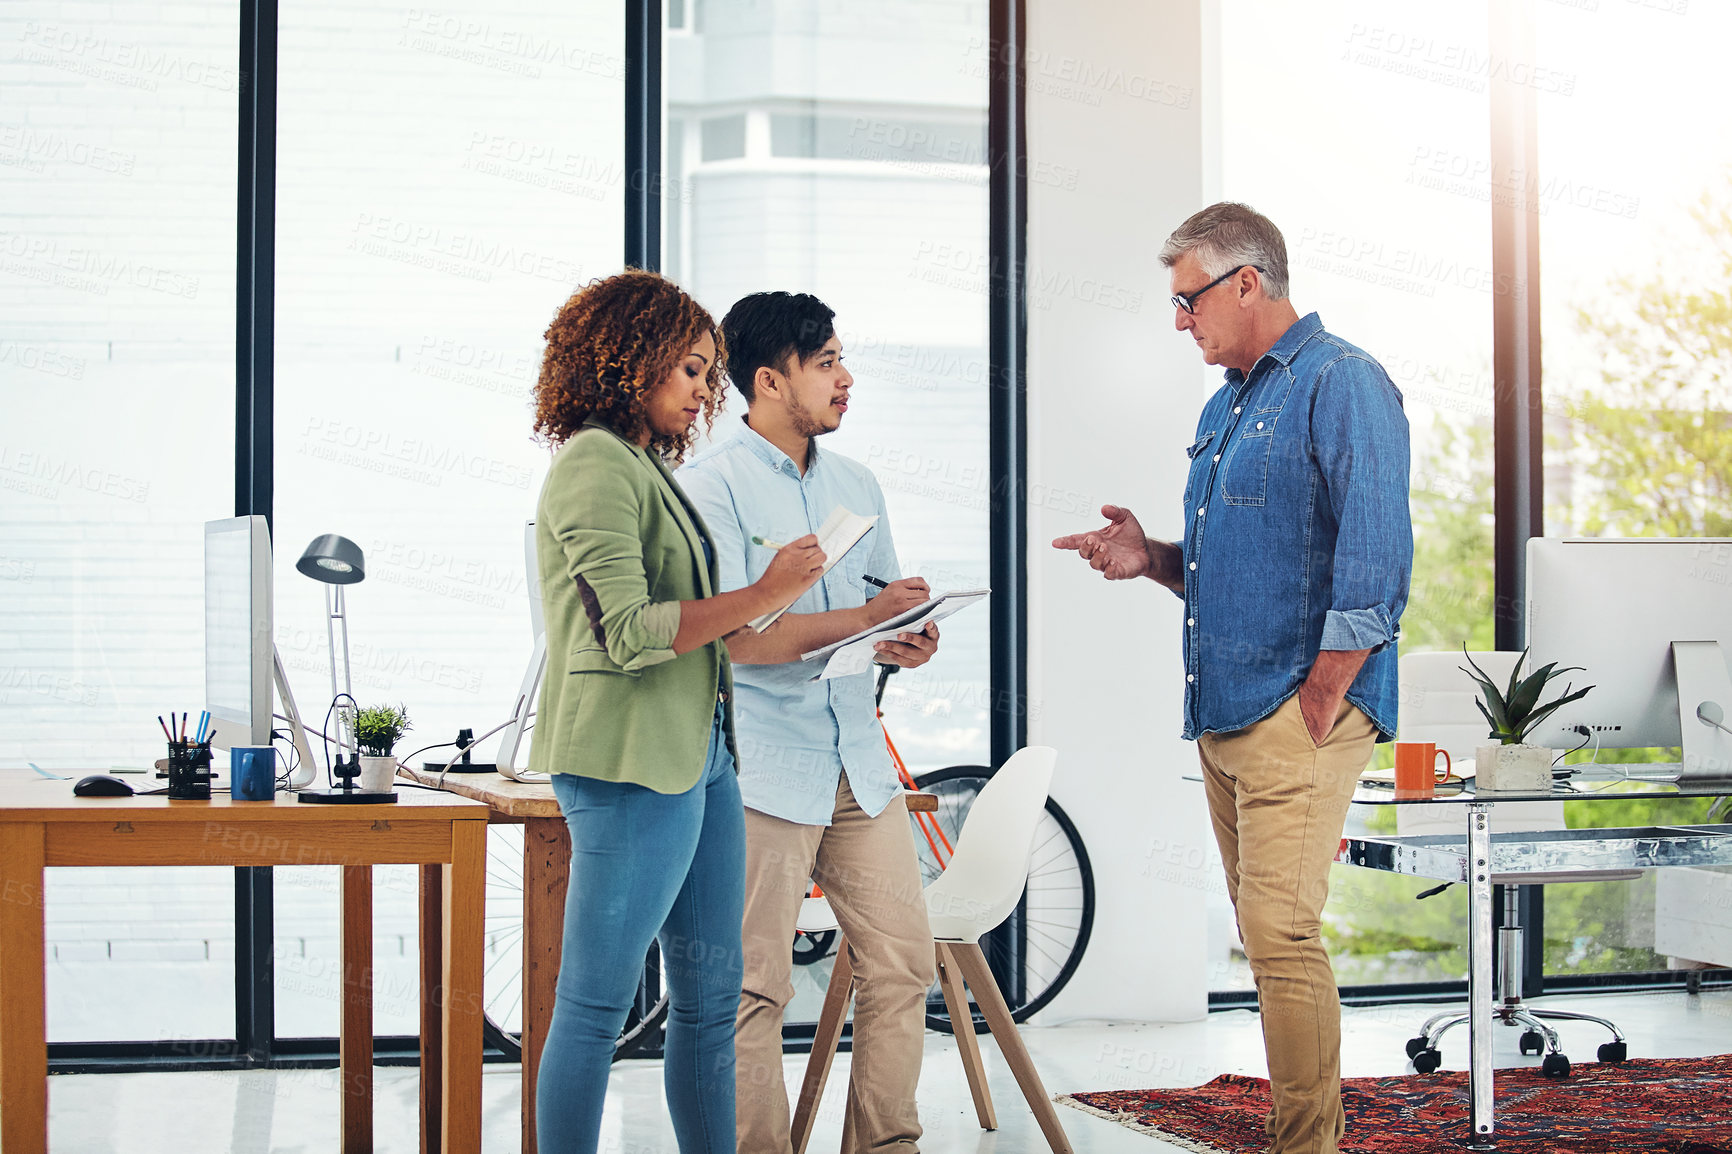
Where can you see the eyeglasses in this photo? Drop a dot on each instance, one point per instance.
(1188, 301)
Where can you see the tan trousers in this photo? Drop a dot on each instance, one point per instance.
(868, 871)
(1278, 803)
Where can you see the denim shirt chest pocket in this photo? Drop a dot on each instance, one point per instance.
(1245, 471)
(1201, 459)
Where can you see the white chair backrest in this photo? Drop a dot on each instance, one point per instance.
(1437, 698)
(989, 869)
(815, 916)
(1437, 705)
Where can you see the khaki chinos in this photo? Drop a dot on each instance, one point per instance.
(1278, 803)
(868, 871)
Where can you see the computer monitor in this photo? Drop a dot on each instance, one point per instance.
(241, 663)
(1650, 620)
(237, 630)
(512, 759)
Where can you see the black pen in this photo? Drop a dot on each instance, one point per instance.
(871, 580)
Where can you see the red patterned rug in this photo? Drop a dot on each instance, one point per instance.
(1656, 1106)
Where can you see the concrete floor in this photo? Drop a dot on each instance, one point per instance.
(295, 1111)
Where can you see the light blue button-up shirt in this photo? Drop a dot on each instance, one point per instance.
(796, 737)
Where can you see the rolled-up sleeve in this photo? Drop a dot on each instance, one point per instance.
(1360, 437)
(593, 514)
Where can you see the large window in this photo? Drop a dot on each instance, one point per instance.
(1635, 251)
(1389, 240)
(1389, 232)
(841, 151)
(446, 179)
(117, 241)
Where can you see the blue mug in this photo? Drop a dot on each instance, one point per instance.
(252, 772)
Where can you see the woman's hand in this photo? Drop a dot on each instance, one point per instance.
(794, 569)
(898, 597)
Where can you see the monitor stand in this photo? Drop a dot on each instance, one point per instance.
(305, 770)
(1704, 709)
(527, 695)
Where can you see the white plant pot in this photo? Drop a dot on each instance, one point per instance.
(1513, 769)
(377, 774)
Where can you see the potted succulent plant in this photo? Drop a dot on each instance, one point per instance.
(378, 728)
(1512, 765)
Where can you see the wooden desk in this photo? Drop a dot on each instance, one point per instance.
(546, 870)
(546, 873)
(43, 824)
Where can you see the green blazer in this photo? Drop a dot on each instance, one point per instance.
(615, 537)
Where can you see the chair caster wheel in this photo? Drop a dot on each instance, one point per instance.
(1555, 1066)
(1614, 1052)
(1415, 1045)
(1532, 1042)
(1427, 1060)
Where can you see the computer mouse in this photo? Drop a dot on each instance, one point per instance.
(102, 785)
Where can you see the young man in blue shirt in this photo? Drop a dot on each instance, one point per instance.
(1294, 570)
(822, 798)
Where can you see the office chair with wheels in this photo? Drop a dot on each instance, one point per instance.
(1437, 705)
(977, 890)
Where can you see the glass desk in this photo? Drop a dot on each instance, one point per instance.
(1475, 857)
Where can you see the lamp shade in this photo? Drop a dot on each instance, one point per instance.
(334, 560)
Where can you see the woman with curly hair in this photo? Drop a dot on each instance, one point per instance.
(635, 721)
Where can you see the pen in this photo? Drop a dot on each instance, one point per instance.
(164, 725)
(183, 726)
(871, 580)
(767, 543)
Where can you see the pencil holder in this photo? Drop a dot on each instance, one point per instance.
(189, 770)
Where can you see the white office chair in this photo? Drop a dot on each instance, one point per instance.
(1437, 705)
(815, 917)
(976, 892)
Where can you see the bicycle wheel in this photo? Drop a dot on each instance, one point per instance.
(502, 986)
(1058, 911)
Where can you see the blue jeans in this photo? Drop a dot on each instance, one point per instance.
(648, 866)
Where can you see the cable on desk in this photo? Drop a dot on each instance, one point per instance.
(1587, 736)
(502, 725)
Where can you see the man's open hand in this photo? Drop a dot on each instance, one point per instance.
(1118, 552)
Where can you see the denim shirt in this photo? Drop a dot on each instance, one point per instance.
(1297, 534)
(796, 737)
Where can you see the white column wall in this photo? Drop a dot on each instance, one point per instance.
(1117, 159)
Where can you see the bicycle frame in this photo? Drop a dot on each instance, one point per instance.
(928, 823)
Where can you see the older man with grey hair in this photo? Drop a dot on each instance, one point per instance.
(1294, 569)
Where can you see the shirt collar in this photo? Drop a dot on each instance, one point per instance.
(1287, 347)
(773, 458)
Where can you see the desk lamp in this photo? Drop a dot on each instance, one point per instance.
(335, 562)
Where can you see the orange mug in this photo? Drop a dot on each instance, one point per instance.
(1416, 772)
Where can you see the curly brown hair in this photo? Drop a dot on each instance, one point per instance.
(609, 346)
